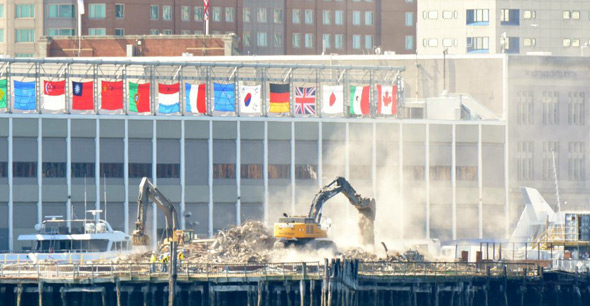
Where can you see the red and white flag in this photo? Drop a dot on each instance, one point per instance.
(386, 99)
(359, 100)
(206, 9)
(54, 95)
(333, 99)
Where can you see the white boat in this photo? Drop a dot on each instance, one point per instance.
(83, 240)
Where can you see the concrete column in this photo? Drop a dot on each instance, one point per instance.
(210, 176)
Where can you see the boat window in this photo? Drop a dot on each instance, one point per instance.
(98, 245)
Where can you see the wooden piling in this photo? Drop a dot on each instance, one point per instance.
(64, 301)
(19, 292)
(103, 295)
(118, 289)
(302, 290)
(259, 294)
(40, 289)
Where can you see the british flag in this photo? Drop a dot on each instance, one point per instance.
(305, 100)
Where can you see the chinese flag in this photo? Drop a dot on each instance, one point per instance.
(112, 95)
(83, 95)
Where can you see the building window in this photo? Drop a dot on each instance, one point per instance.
(296, 16)
(356, 18)
(529, 42)
(356, 41)
(261, 16)
(550, 148)
(1, 10)
(119, 32)
(139, 170)
(478, 44)
(409, 19)
(185, 13)
(369, 42)
(154, 12)
(338, 41)
(61, 32)
(224, 171)
(447, 15)
(575, 15)
(199, 13)
(338, 17)
(278, 40)
(111, 170)
(576, 161)
(83, 170)
(279, 171)
(550, 107)
(308, 16)
(154, 32)
(166, 12)
(525, 160)
(53, 169)
(409, 42)
(97, 31)
(168, 170)
(247, 39)
(61, 11)
(167, 32)
(326, 41)
(262, 39)
(1, 35)
(308, 40)
(433, 42)
(525, 108)
(509, 17)
(326, 17)
(478, 17)
(278, 16)
(24, 35)
(512, 45)
(529, 14)
(251, 171)
(97, 11)
(247, 14)
(25, 10)
(447, 42)
(296, 40)
(119, 11)
(229, 14)
(306, 172)
(369, 18)
(24, 169)
(567, 42)
(430, 15)
(576, 108)
(466, 173)
(217, 14)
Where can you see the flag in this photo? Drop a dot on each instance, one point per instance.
(3, 90)
(54, 95)
(386, 99)
(111, 95)
(196, 98)
(333, 99)
(359, 100)
(24, 96)
(279, 98)
(304, 100)
(224, 97)
(81, 8)
(250, 99)
(139, 97)
(83, 95)
(206, 9)
(169, 98)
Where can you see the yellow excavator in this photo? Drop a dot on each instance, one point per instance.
(307, 231)
(147, 191)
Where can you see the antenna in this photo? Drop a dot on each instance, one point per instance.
(105, 196)
(556, 184)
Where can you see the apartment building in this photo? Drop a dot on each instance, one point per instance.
(264, 27)
(503, 26)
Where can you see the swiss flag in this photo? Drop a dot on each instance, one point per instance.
(83, 95)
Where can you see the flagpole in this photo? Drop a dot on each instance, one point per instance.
(206, 13)
(80, 12)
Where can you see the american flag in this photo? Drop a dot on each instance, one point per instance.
(305, 100)
(206, 9)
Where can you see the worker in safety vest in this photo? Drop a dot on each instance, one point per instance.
(153, 261)
(165, 260)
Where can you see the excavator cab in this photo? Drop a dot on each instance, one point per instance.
(298, 227)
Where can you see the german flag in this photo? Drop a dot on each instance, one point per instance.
(279, 98)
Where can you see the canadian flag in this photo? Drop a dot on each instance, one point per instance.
(386, 99)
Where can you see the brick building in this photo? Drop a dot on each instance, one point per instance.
(264, 27)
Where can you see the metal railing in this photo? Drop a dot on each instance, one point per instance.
(287, 270)
(571, 265)
(449, 269)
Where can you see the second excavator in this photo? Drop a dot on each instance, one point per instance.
(307, 230)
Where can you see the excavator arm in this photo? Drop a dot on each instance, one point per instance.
(365, 206)
(147, 191)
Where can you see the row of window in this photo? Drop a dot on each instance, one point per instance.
(327, 17)
(441, 173)
(576, 157)
(576, 107)
(81, 170)
(254, 171)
